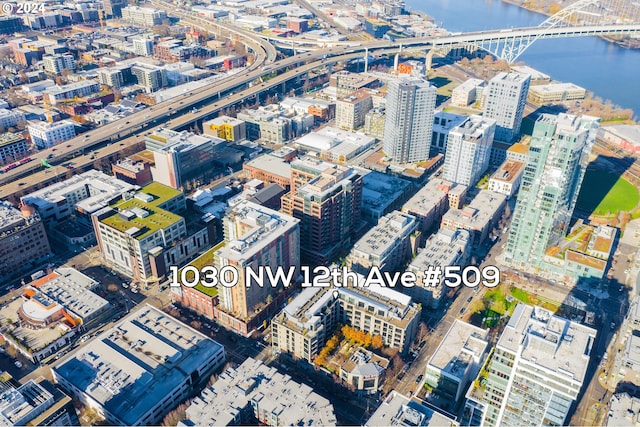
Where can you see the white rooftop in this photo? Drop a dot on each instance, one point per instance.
(277, 397)
(399, 410)
(137, 362)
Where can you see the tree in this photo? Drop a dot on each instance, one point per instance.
(376, 342)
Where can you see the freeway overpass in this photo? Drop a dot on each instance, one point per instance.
(150, 117)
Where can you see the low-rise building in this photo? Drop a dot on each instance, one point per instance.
(56, 94)
(254, 391)
(144, 16)
(626, 137)
(79, 196)
(269, 168)
(225, 127)
(335, 144)
(382, 193)
(457, 360)
(479, 217)
(364, 371)
(10, 118)
(556, 92)
(37, 403)
(53, 309)
(445, 248)
(142, 235)
(134, 172)
(429, 204)
(467, 93)
(399, 410)
(624, 410)
(55, 64)
(506, 179)
(180, 157)
(140, 368)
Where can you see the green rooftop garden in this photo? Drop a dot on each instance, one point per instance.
(202, 261)
(158, 218)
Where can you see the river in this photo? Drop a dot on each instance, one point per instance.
(609, 71)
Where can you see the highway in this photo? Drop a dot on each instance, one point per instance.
(139, 121)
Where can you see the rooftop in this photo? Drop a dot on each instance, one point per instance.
(624, 410)
(463, 345)
(509, 171)
(432, 194)
(443, 248)
(250, 227)
(91, 190)
(399, 410)
(271, 164)
(386, 235)
(553, 343)
(137, 362)
(72, 290)
(276, 396)
(478, 213)
(141, 215)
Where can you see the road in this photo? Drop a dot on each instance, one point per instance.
(162, 111)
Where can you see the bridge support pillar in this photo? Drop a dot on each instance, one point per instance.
(428, 61)
(366, 60)
(395, 62)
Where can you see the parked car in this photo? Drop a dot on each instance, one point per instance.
(18, 364)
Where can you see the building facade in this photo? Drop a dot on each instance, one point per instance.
(468, 150)
(556, 162)
(505, 99)
(409, 120)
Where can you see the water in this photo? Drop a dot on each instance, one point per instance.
(609, 71)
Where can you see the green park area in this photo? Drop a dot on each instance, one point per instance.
(604, 193)
(498, 303)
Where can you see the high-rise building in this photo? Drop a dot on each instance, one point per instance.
(409, 119)
(329, 208)
(535, 373)
(505, 99)
(255, 236)
(556, 162)
(468, 150)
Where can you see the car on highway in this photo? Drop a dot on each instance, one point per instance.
(419, 378)
(469, 299)
(462, 310)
